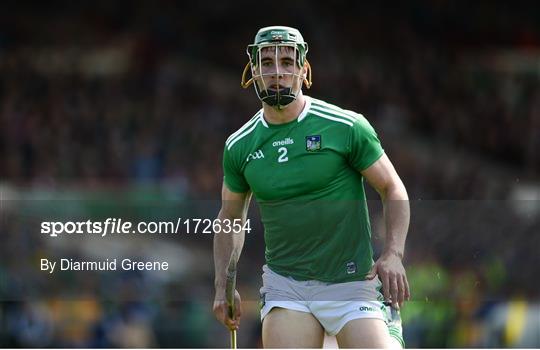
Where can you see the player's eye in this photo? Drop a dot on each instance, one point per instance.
(288, 63)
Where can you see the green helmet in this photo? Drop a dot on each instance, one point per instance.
(274, 37)
(278, 35)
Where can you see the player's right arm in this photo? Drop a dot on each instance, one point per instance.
(234, 206)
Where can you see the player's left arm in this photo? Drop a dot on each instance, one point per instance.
(382, 176)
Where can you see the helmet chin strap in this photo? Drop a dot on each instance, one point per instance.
(281, 99)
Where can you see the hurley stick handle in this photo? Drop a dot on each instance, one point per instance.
(230, 292)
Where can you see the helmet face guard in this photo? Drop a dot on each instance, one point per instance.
(278, 66)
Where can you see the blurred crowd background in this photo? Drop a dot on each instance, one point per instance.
(127, 104)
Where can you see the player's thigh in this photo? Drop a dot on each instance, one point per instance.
(365, 333)
(283, 328)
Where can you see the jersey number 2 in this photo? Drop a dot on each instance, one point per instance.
(282, 155)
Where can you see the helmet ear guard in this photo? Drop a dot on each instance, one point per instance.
(245, 84)
(307, 80)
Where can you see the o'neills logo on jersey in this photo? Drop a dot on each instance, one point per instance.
(255, 155)
(287, 141)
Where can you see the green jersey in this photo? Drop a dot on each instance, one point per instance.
(305, 176)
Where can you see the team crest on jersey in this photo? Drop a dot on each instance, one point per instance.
(351, 267)
(313, 143)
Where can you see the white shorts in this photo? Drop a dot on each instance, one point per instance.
(332, 304)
